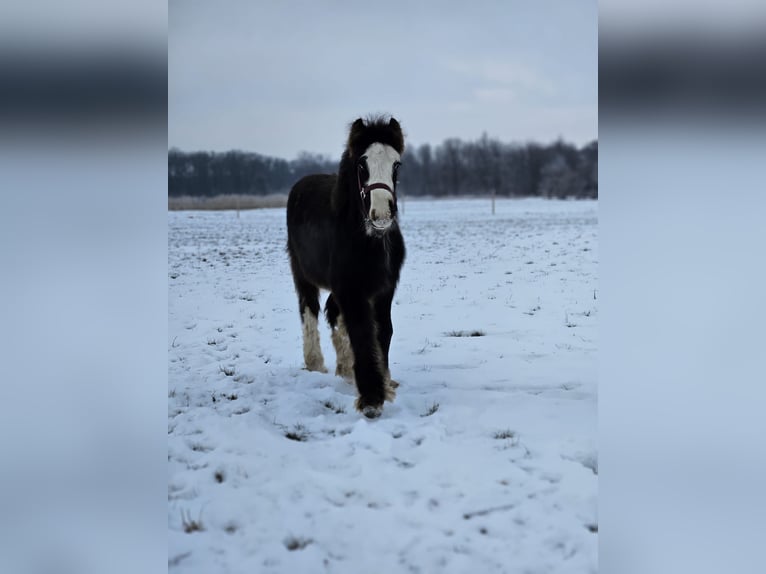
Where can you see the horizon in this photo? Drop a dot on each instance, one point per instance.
(408, 147)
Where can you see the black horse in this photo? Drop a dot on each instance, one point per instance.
(343, 236)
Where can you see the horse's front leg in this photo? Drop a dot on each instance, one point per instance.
(385, 329)
(369, 368)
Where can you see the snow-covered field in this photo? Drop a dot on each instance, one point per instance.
(486, 461)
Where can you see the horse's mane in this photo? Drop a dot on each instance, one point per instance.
(362, 134)
(383, 129)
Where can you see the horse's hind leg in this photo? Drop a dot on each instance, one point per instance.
(343, 353)
(308, 301)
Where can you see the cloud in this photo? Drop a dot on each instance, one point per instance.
(494, 95)
(253, 77)
(502, 76)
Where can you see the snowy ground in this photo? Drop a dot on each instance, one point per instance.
(486, 461)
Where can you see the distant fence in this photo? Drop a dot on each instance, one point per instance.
(225, 202)
(243, 202)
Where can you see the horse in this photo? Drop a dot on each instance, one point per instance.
(343, 236)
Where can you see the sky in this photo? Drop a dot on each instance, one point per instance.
(280, 78)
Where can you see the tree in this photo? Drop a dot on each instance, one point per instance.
(559, 180)
(588, 169)
(484, 166)
(449, 158)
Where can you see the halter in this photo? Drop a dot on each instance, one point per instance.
(364, 190)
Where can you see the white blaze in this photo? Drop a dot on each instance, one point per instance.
(380, 163)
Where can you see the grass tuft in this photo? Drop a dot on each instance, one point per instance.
(189, 524)
(431, 410)
(228, 371)
(474, 333)
(295, 543)
(299, 433)
(337, 409)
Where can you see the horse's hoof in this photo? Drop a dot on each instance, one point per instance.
(345, 375)
(372, 412)
(317, 368)
(393, 383)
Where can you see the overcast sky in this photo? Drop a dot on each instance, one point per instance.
(280, 77)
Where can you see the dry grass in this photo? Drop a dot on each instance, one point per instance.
(475, 333)
(189, 524)
(338, 409)
(296, 543)
(299, 433)
(226, 202)
(431, 410)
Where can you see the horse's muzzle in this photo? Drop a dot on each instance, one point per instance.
(382, 206)
(381, 224)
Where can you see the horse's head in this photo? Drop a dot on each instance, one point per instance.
(375, 150)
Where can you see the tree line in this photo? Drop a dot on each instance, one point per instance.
(455, 167)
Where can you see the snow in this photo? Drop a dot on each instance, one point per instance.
(486, 461)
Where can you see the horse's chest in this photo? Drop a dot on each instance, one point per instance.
(373, 269)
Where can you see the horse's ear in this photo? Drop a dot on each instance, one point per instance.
(394, 125)
(356, 130)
